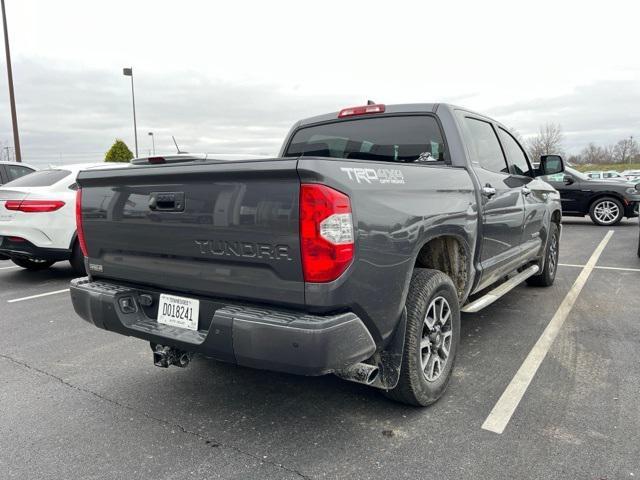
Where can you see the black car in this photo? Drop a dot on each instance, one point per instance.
(605, 201)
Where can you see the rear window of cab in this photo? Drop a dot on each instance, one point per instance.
(410, 138)
(41, 178)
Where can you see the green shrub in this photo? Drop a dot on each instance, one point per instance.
(119, 152)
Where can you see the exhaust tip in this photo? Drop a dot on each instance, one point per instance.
(360, 373)
(373, 375)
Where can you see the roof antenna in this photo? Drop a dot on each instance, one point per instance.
(176, 144)
(370, 102)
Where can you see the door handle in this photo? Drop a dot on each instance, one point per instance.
(488, 191)
(525, 190)
(166, 201)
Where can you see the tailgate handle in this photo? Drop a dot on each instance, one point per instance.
(166, 201)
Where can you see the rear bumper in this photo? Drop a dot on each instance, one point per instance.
(252, 336)
(26, 249)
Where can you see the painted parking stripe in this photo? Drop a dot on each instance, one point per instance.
(505, 407)
(599, 267)
(7, 268)
(37, 296)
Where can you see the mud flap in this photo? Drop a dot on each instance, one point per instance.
(390, 359)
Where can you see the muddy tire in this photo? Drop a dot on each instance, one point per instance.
(548, 274)
(33, 265)
(431, 339)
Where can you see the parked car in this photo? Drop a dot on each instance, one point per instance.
(607, 202)
(606, 175)
(37, 218)
(351, 254)
(631, 174)
(10, 171)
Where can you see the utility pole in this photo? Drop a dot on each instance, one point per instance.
(12, 99)
(128, 72)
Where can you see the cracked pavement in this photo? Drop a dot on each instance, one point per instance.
(77, 402)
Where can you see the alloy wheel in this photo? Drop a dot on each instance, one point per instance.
(606, 212)
(435, 343)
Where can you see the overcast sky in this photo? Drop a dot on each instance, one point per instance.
(232, 76)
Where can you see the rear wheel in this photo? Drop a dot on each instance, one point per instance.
(32, 263)
(77, 260)
(548, 274)
(431, 339)
(606, 211)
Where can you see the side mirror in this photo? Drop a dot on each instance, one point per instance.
(551, 164)
(568, 180)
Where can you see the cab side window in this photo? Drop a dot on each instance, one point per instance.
(484, 145)
(517, 159)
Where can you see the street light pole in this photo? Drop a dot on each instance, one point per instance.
(153, 142)
(128, 72)
(12, 99)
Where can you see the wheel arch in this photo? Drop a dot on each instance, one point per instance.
(450, 253)
(601, 195)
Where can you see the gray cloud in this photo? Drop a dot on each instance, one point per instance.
(67, 114)
(75, 115)
(603, 112)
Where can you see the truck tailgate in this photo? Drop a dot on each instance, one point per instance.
(219, 229)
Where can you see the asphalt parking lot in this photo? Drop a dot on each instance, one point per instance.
(78, 402)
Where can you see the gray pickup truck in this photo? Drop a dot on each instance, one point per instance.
(352, 253)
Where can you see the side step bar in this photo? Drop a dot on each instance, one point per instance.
(499, 291)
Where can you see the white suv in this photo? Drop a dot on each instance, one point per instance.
(37, 218)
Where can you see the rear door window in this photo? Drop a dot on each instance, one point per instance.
(414, 138)
(41, 178)
(484, 146)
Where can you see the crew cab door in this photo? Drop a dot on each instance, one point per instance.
(501, 203)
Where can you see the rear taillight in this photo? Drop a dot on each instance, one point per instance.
(79, 228)
(363, 110)
(34, 206)
(326, 232)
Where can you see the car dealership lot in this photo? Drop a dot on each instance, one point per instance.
(78, 402)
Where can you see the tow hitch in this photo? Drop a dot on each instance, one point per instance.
(164, 356)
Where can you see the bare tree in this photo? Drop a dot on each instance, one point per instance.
(608, 154)
(592, 154)
(625, 150)
(548, 141)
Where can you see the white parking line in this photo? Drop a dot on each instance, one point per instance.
(37, 296)
(508, 402)
(624, 269)
(7, 268)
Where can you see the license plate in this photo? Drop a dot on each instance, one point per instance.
(178, 311)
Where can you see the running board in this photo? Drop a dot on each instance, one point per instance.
(499, 291)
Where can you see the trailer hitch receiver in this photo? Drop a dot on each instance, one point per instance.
(163, 356)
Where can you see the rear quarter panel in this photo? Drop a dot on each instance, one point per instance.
(397, 209)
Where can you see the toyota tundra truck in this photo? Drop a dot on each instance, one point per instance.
(352, 253)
